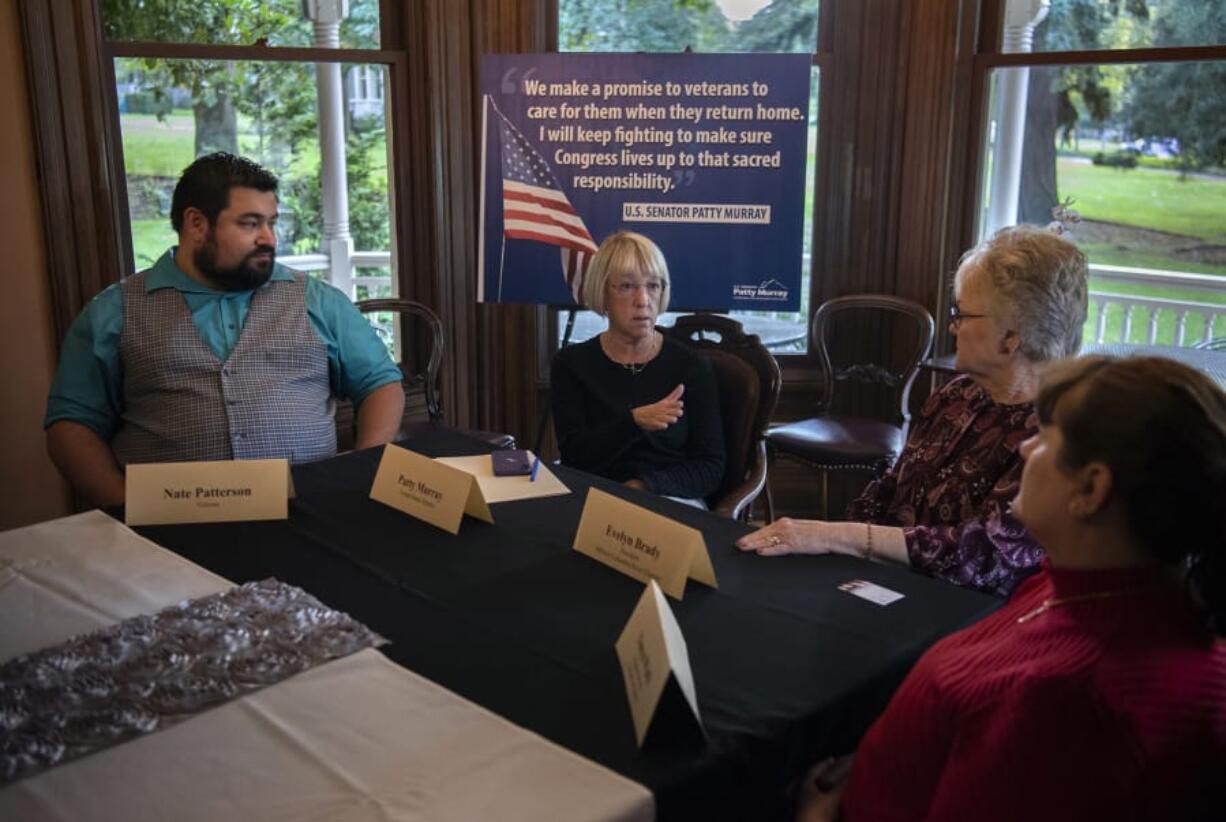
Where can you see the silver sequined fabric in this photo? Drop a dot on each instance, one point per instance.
(149, 672)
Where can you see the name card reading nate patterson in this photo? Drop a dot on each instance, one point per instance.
(643, 544)
(206, 493)
(215, 491)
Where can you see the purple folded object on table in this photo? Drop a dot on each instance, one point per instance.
(151, 671)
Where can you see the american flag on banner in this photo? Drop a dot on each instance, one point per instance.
(534, 207)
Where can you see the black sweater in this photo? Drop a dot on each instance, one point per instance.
(592, 399)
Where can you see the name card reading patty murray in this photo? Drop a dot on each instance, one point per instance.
(642, 543)
(427, 489)
(165, 493)
(655, 662)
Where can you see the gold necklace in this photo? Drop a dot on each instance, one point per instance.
(635, 368)
(1056, 602)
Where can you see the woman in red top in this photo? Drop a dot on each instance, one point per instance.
(1099, 690)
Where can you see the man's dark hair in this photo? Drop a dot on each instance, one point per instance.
(206, 185)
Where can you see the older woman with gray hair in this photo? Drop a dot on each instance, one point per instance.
(943, 508)
(630, 404)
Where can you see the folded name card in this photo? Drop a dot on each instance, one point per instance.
(642, 543)
(656, 670)
(164, 493)
(428, 489)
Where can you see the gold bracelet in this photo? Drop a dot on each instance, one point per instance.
(868, 549)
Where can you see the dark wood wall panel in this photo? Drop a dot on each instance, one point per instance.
(509, 334)
(936, 128)
(491, 373)
(72, 145)
(439, 44)
(894, 101)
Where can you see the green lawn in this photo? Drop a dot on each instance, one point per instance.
(161, 149)
(150, 239)
(164, 148)
(1107, 254)
(1152, 198)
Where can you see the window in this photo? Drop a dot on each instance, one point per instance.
(297, 87)
(708, 26)
(1113, 115)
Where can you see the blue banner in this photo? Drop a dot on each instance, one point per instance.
(703, 153)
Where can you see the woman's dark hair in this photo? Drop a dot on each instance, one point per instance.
(206, 185)
(1161, 428)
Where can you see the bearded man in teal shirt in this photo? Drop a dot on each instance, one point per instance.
(216, 352)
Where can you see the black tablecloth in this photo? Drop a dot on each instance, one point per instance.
(787, 667)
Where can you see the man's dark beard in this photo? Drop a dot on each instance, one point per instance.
(245, 276)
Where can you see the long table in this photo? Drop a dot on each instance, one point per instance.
(357, 738)
(787, 667)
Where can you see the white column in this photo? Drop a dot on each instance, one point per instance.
(326, 15)
(1008, 125)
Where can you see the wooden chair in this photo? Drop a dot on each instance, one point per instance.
(422, 403)
(748, 380)
(830, 441)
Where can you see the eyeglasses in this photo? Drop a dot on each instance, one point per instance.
(628, 288)
(956, 315)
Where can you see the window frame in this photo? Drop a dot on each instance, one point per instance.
(988, 57)
(79, 148)
(395, 60)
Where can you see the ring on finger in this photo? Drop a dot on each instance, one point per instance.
(775, 540)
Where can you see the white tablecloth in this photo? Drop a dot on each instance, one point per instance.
(357, 738)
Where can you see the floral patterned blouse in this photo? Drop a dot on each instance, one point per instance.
(951, 487)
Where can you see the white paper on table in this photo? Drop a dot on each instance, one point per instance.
(871, 591)
(507, 489)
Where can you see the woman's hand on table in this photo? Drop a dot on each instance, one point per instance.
(662, 413)
(805, 536)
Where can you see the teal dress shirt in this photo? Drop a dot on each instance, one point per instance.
(88, 385)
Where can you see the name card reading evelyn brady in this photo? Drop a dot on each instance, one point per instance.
(427, 489)
(165, 493)
(642, 543)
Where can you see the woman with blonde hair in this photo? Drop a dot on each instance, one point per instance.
(630, 404)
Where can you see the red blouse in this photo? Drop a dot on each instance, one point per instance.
(1110, 706)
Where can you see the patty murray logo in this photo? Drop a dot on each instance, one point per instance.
(769, 290)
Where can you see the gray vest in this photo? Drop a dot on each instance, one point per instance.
(270, 398)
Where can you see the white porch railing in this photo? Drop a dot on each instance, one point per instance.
(1155, 312)
(360, 260)
(1163, 316)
